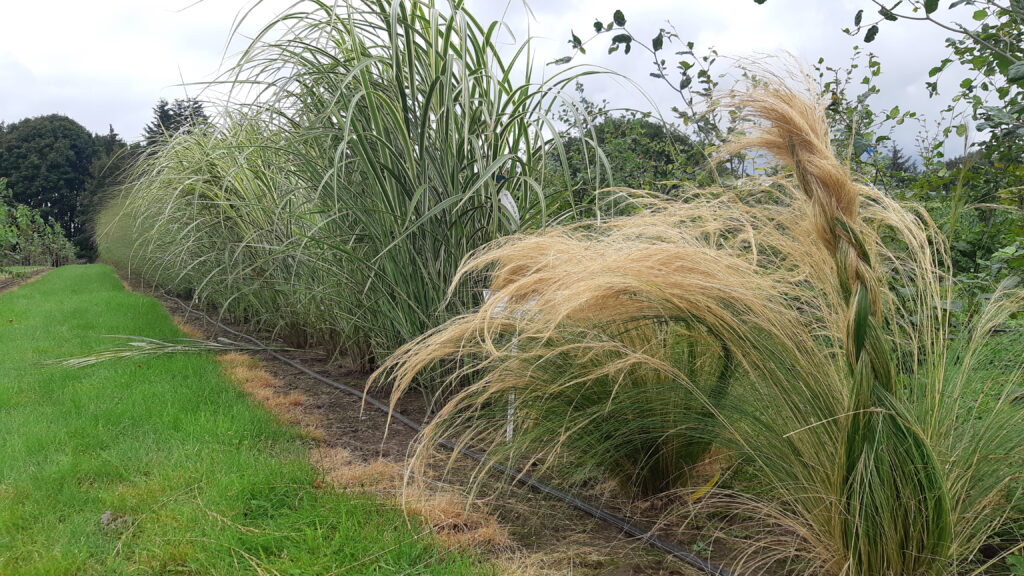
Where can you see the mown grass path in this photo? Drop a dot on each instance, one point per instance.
(199, 480)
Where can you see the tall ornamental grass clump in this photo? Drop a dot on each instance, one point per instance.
(800, 322)
(208, 217)
(370, 147)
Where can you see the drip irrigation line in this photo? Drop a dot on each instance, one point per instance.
(517, 475)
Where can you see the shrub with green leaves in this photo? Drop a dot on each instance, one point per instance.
(26, 239)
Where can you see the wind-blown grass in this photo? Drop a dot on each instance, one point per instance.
(369, 150)
(818, 303)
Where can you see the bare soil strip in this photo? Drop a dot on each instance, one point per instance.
(526, 533)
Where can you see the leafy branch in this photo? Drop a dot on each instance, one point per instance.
(689, 68)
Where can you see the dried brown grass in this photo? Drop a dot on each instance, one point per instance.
(187, 329)
(451, 516)
(456, 521)
(343, 469)
(288, 405)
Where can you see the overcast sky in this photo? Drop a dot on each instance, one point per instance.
(107, 62)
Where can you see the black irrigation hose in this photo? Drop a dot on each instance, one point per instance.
(521, 477)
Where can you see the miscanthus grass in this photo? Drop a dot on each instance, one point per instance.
(365, 150)
(800, 322)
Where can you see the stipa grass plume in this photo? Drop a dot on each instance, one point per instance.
(799, 322)
(618, 341)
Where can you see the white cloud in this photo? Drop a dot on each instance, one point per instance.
(107, 62)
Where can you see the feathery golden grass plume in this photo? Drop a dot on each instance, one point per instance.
(800, 322)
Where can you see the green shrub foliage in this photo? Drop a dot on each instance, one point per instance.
(28, 240)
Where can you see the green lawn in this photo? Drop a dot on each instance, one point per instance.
(211, 482)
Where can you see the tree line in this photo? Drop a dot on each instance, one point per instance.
(59, 171)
